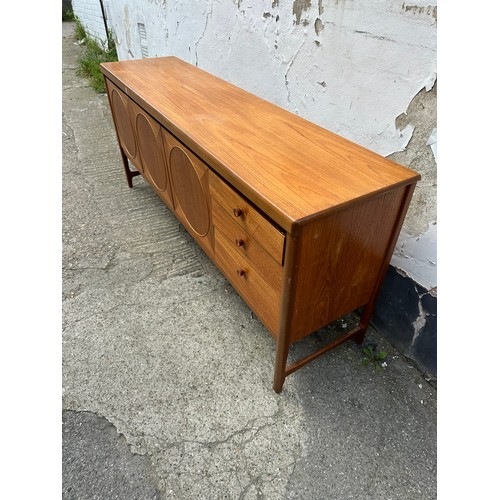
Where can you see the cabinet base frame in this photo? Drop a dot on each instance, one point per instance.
(283, 370)
(352, 334)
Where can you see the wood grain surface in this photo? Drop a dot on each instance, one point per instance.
(255, 225)
(340, 258)
(289, 167)
(150, 143)
(247, 246)
(189, 178)
(122, 113)
(261, 293)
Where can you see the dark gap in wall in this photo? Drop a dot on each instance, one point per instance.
(406, 314)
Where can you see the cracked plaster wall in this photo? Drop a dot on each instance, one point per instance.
(364, 70)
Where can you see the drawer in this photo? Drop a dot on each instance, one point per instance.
(246, 246)
(262, 294)
(243, 212)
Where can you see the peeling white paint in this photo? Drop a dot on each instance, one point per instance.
(373, 58)
(431, 80)
(406, 134)
(350, 66)
(417, 256)
(432, 142)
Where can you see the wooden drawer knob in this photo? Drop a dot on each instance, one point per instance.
(239, 242)
(240, 272)
(238, 212)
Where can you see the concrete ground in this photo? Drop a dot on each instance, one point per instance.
(167, 376)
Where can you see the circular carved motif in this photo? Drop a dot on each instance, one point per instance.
(123, 124)
(189, 192)
(151, 152)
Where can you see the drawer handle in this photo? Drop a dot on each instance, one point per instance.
(240, 272)
(238, 212)
(239, 242)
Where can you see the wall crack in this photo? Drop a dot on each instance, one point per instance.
(290, 64)
(207, 15)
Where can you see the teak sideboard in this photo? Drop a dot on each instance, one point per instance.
(302, 222)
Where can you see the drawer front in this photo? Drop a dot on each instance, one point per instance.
(247, 246)
(261, 294)
(254, 224)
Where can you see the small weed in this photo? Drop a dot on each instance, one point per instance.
(80, 33)
(68, 15)
(371, 356)
(95, 53)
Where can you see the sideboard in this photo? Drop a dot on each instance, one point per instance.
(301, 221)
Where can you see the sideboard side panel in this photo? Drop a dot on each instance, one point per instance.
(340, 259)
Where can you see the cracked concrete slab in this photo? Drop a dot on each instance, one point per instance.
(98, 463)
(157, 342)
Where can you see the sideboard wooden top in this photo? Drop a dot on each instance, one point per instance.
(289, 167)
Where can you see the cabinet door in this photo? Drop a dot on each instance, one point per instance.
(150, 144)
(190, 191)
(121, 109)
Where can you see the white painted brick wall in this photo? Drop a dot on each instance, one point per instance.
(90, 15)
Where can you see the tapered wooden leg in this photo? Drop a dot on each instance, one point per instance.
(362, 327)
(280, 365)
(128, 173)
(364, 322)
(283, 339)
(360, 337)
